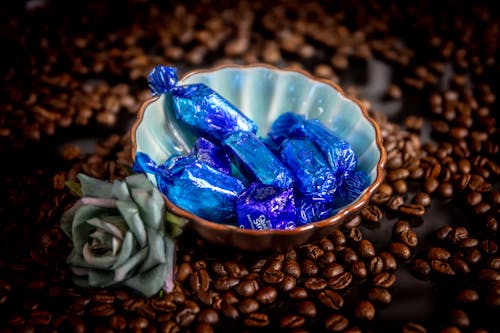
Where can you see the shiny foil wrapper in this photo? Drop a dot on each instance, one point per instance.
(262, 207)
(256, 161)
(199, 106)
(312, 174)
(353, 184)
(215, 156)
(311, 210)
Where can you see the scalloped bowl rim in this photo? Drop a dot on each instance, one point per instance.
(339, 216)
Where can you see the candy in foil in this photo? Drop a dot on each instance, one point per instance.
(199, 106)
(313, 176)
(353, 184)
(311, 210)
(338, 153)
(257, 161)
(205, 191)
(212, 154)
(262, 207)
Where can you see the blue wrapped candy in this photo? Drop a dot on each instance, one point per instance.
(353, 184)
(312, 210)
(313, 176)
(257, 161)
(262, 207)
(200, 106)
(338, 153)
(212, 154)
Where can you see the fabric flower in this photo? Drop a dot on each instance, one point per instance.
(119, 235)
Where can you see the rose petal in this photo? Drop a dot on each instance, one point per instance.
(130, 213)
(156, 253)
(128, 245)
(149, 282)
(81, 228)
(111, 228)
(151, 207)
(104, 261)
(68, 216)
(139, 180)
(101, 278)
(121, 272)
(120, 190)
(92, 187)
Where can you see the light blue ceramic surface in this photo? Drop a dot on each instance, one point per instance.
(263, 93)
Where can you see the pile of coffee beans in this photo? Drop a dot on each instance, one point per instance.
(422, 256)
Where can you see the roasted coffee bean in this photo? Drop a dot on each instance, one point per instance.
(420, 268)
(229, 310)
(371, 213)
(442, 267)
(203, 328)
(185, 317)
(138, 324)
(40, 317)
(225, 283)
(336, 322)
(312, 251)
(379, 295)
(459, 318)
(102, 310)
(390, 263)
(409, 238)
(384, 280)
(309, 267)
(331, 299)
(413, 328)
(413, 210)
(400, 226)
(431, 185)
(307, 309)
(366, 249)
(347, 256)
(232, 269)
(199, 280)
(353, 223)
(422, 198)
(364, 310)
(326, 245)
(358, 269)
(327, 258)
(457, 234)
(438, 253)
(493, 263)
(400, 250)
(468, 242)
(332, 270)
(266, 295)
(340, 281)
(486, 274)
(256, 319)
(292, 268)
(376, 265)
(395, 202)
(208, 316)
(247, 288)
(338, 238)
(298, 293)
(472, 255)
(292, 321)
(473, 198)
(314, 284)
(288, 283)
(355, 235)
(443, 232)
(459, 265)
(117, 322)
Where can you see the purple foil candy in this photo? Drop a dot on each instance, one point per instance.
(262, 207)
(310, 210)
(282, 129)
(212, 154)
(200, 106)
(205, 191)
(257, 161)
(313, 176)
(353, 184)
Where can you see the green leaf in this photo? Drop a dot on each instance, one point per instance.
(174, 224)
(74, 187)
(161, 293)
(127, 169)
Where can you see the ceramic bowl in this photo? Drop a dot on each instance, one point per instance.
(263, 93)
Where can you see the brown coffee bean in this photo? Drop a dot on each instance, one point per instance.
(102, 310)
(256, 319)
(307, 309)
(169, 327)
(185, 317)
(203, 328)
(366, 249)
(327, 258)
(474, 198)
(442, 267)
(384, 280)
(199, 280)
(467, 296)
(412, 210)
(292, 268)
(326, 245)
(40, 317)
(348, 256)
(420, 268)
(247, 288)
(353, 223)
(413, 328)
(422, 198)
(486, 274)
(292, 321)
(355, 235)
(229, 310)
(379, 295)
(288, 283)
(438, 253)
(400, 250)
(338, 238)
(459, 317)
(358, 269)
(332, 270)
(400, 226)
(312, 251)
(309, 267)
(137, 324)
(364, 310)
(336, 322)
(117, 322)
(371, 213)
(208, 316)
(459, 265)
(443, 232)
(472, 255)
(457, 234)
(409, 238)
(376, 265)
(340, 281)
(314, 284)
(266, 295)
(390, 263)
(493, 263)
(331, 299)
(431, 185)
(298, 293)
(103, 297)
(225, 283)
